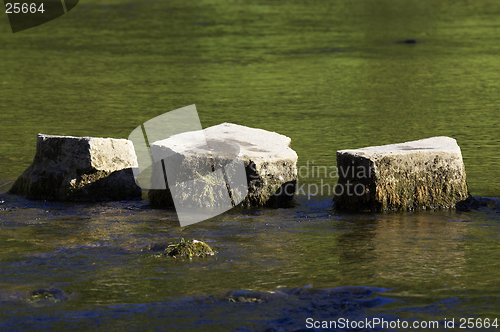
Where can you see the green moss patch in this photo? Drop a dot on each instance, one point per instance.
(187, 249)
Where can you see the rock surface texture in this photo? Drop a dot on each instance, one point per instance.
(423, 174)
(67, 168)
(269, 172)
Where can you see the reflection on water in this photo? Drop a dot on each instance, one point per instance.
(427, 247)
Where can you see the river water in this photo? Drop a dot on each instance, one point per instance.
(329, 74)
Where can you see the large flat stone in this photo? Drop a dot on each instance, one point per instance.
(67, 168)
(423, 174)
(270, 166)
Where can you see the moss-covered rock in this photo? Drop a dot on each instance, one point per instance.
(424, 174)
(183, 249)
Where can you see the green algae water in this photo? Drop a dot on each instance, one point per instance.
(329, 74)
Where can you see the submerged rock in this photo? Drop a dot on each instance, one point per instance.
(248, 296)
(48, 295)
(407, 41)
(423, 174)
(289, 309)
(340, 297)
(471, 203)
(184, 249)
(475, 203)
(269, 170)
(67, 168)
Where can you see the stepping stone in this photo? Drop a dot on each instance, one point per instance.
(212, 158)
(67, 168)
(423, 174)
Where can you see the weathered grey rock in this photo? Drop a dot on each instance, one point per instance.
(423, 174)
(269, 162)
(67, 168)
